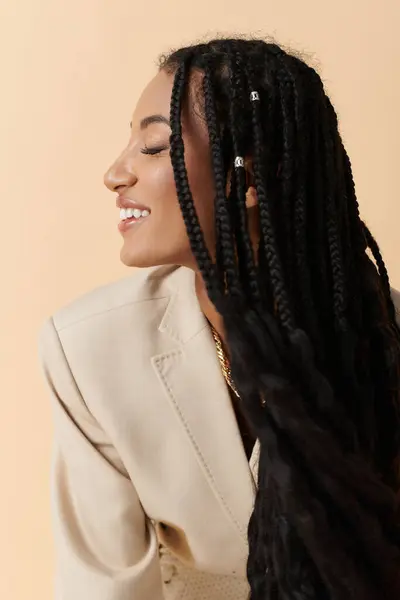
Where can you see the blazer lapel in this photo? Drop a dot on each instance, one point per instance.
(191, 377)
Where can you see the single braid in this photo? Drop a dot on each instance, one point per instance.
(267, 230)
(376, 253)
(338, 281)
(238, 198)
(287, 168)
(300, 160)
(185, 197)
(221, 209)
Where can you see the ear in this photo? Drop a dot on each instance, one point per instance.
(251, 197)
(248, 167)
(251, 194)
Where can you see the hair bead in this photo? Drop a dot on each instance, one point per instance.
(239, 162)
(254, 96)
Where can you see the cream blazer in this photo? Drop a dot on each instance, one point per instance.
(151, 488)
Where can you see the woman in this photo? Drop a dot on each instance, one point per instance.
(227, 420)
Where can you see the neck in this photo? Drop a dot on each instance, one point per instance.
(207, 307)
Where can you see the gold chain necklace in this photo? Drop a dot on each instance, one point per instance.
(224, 362)
(225, 366)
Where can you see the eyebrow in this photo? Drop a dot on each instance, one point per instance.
(144, 123)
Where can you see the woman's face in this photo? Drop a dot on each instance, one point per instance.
(143, 178)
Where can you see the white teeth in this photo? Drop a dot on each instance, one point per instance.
(128, 213)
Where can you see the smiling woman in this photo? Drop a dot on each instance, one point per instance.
(143, 176)
(227, 419)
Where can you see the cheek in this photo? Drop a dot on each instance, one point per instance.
(167, 230)
(160, 185)
(158, 191)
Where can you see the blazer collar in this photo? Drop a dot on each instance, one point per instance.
(192, 380)
(183, 318)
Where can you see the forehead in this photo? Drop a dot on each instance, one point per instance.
(156, 100)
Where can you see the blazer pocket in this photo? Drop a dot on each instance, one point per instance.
(175, 540)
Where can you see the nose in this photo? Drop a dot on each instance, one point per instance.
(121, 173)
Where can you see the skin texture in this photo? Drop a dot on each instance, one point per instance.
(148, 180)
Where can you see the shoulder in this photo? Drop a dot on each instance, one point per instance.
(142, 286)
(101, 317)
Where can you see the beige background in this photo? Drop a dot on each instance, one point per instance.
(70, 74)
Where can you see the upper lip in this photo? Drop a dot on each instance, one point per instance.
(123, 202)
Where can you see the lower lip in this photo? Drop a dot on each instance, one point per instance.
(128, 224)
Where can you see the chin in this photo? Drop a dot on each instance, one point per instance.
(129, 259)
(143, 260)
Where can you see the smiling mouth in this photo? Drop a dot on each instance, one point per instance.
(134, 214)
(130, 218)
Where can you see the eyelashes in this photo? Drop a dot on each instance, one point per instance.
(154, 150)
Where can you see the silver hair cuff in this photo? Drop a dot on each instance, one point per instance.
(254, 96)
(239, 162)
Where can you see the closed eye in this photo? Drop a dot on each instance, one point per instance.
(153, 150)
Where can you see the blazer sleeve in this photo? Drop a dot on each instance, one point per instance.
(106, 547)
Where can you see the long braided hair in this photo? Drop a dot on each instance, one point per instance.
(310, 324)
